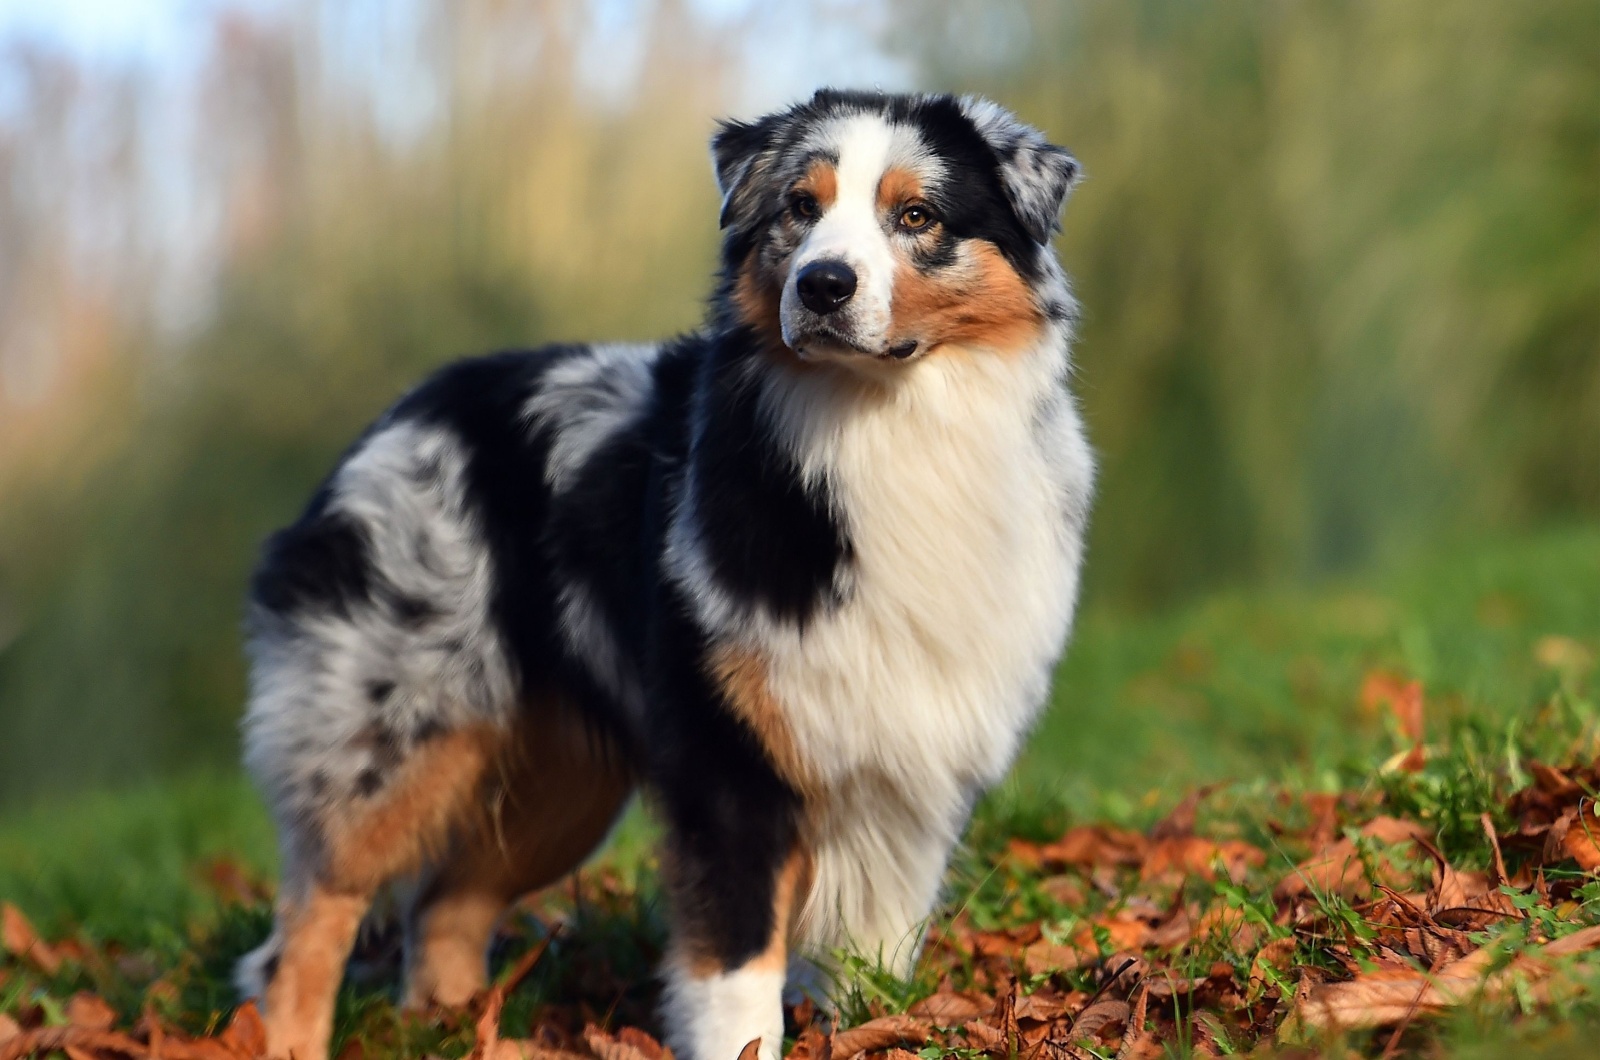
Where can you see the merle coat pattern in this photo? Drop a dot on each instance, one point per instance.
(801, 576)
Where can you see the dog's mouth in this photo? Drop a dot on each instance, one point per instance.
(825, 341)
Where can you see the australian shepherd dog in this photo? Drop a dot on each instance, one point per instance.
(800, 576)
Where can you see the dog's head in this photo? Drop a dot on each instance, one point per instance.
(868, 228)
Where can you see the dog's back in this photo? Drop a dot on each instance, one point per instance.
(415, 708)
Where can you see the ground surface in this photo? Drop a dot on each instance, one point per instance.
(1260, 822)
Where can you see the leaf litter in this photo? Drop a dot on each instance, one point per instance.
(1295, 919)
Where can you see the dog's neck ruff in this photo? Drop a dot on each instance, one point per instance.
(962, 492)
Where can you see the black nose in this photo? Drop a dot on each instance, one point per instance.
(824, 286)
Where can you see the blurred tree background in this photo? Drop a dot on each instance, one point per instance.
(1340, 264)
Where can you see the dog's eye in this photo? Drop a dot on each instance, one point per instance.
(915, 217)
(804, 206)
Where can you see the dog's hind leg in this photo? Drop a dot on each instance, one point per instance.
(336, 865)
(556, 794)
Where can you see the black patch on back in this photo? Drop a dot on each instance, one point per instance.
(607, 530)
(318, 564)
(481, 401)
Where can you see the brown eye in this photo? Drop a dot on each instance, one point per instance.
(804, 207)
(915, 217)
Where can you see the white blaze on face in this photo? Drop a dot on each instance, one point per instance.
(855, 230)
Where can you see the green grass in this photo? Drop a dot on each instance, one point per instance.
(1260, 689)
(1242, 685)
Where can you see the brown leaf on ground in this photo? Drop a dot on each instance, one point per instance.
(233, 883)
(1181, 821)
(1042, 1006)
(1092, 845)
(84, 1009)
(1338, 868)
(948, 1008)
(1045, 958)
(1229, 926)
(45, 1040)
(1135, 1039)
(751, 1050)
(1403, 698)
(881, 1033)
(1272, 959)
(245, 1034)
(629, 1043)
(1170, 860)
(1102, 1015)
(1552, 793)
(9, 1028)
(1323, 810)
(1388, 996)
(487, 1041)
(19, 939)
(524, 1049)
(812, 1044)
(1175, 929)
(1576, 835)
(1063, 890)
(1123, 931)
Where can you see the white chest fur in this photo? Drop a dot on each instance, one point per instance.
(964, 490)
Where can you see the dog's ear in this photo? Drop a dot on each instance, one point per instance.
(1037, 174)
(738, 151)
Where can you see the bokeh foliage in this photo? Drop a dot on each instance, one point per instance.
(1340, 263)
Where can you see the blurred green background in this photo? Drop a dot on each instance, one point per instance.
(1340, 263)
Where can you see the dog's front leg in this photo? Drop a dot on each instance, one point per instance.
(736, 876)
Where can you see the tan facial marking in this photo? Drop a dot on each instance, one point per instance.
(742, 676)
(757, 299)
(979, 302)
(896, 188)
(821, 182)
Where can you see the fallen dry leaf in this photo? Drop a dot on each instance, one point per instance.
(630, 1043)
(1172, 859)
(947, 1008)
(1576, 835)
(23, 942)
(1385, 997)
(1181, 821)
(881, 1033)
(1106, 1012)
(90, 1010)
(1338, 869)
(44, 1040)
(1272, 959)
(1091, 845)
(1403, 698)
(245, 1033)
